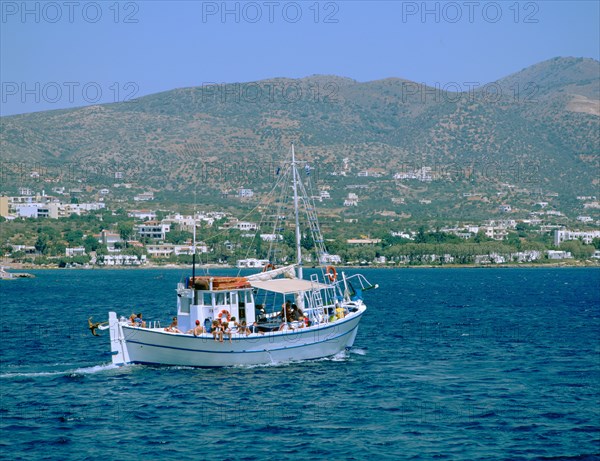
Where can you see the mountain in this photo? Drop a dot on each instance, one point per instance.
(536, 129)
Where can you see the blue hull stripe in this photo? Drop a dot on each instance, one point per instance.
(241, 352)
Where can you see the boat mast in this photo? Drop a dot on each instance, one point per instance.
(194, 260)
(296, 215)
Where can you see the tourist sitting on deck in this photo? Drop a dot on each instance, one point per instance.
(244, 330)
(234, 326)
(226, 330)
(296, 324)
(330, 314)
(217, 330)
(254, 329)
(286, 315)
(173, 328)
(138, 322)
(197, 330)
(260, 311)
(296, 312)
(132, 320)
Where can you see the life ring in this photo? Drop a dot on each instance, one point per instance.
(226, 313)
(268, 267)
(331, 273)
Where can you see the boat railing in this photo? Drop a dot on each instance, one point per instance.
(352, 287)
(319, 315)
(147, 323)
(362, 281)
(316, 304)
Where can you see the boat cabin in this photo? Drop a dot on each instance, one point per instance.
(209, 298)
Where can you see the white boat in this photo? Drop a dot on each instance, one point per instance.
(330, 310)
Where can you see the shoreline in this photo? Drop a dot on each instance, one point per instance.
(580, 264)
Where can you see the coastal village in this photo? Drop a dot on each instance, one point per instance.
(141, 232)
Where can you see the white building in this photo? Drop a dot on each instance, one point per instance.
(27, 249)
(122, 260)
(27, 211)
(330, 259)
(585, 219)
(401, 234)
(146, 215)
(184, 223)
(562, 235)
(81, 208)
(109, 239)
(246, 225)
(144, 197)
(271, 237)
(554, 254)
(423, 174)
(76, 251)
(526, 256)
(252, 263)
(352, 199)
(593, 205)
(153, 229)
(243, 192)
(495, 232)
(165, 250)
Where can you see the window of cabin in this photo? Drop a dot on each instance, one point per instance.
(207, 299)
(184, 306)
(221, 299)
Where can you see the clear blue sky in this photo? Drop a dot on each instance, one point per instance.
(64, 54)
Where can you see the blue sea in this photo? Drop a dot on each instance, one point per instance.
(460, 364)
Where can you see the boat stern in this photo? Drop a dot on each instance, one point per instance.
(118, 345)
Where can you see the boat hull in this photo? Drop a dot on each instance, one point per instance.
(155, 346)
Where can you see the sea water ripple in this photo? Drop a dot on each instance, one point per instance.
(447, 364)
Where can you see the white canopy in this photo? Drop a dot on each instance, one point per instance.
(286, 286)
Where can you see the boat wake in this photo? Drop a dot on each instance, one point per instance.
(94, 369)
(266, 365)
(357, 351)
(341, 356)
(75, 372)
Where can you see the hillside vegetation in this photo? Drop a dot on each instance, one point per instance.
(537, 129)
